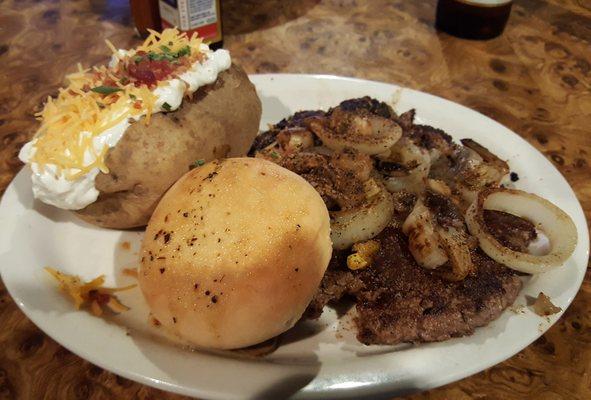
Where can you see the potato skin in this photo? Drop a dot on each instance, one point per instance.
(221, 120)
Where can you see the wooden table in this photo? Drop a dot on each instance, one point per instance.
(535, 79)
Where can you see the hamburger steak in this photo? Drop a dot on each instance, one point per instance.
(399, 297)
(398, 301)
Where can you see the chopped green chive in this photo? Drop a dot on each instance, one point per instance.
(166, 106)
(197, 163)
(184, 51)
(154, 56)
(106, 89)
(167, 54)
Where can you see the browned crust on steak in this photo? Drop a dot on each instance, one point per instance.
(337, 282)
(398, 301)
(511, 231)
(368, 104)
(402, 302)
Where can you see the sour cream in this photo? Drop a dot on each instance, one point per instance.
(51, 186)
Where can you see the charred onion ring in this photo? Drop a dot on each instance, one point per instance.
(363, 222)
(366, 134)
(554, 222)
(409, 182)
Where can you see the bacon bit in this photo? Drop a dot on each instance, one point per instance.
(130, 272)
(101, 298)
(90, 294)
(109, 82)
(137, 104)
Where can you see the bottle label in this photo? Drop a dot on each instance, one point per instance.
(486, 3)
(201, 16)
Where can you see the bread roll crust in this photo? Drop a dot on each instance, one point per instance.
(234, 253)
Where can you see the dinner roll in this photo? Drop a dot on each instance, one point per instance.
(234, 252)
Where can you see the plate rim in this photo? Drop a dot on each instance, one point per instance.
(382, 387)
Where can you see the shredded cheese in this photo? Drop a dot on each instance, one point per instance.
(171, 38)
(78, 115)
(110, 46)
(91, 294)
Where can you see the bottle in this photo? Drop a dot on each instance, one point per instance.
(145, 15)
(201, 16)
(473, 19)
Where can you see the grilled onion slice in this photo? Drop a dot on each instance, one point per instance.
(364, 132)
(548, 218)
(433, 245)
(423, 238)
(363, 222)
(414, 162)
(455, 244)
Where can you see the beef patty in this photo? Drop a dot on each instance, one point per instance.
(398, 301)
(402, 302)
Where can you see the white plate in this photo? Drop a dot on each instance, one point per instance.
(319, 359)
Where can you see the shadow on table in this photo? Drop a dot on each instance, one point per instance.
(116, 11)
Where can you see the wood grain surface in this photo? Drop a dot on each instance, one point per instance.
(535, 79)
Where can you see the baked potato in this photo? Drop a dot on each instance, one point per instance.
(117, 136)
(221, 120)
